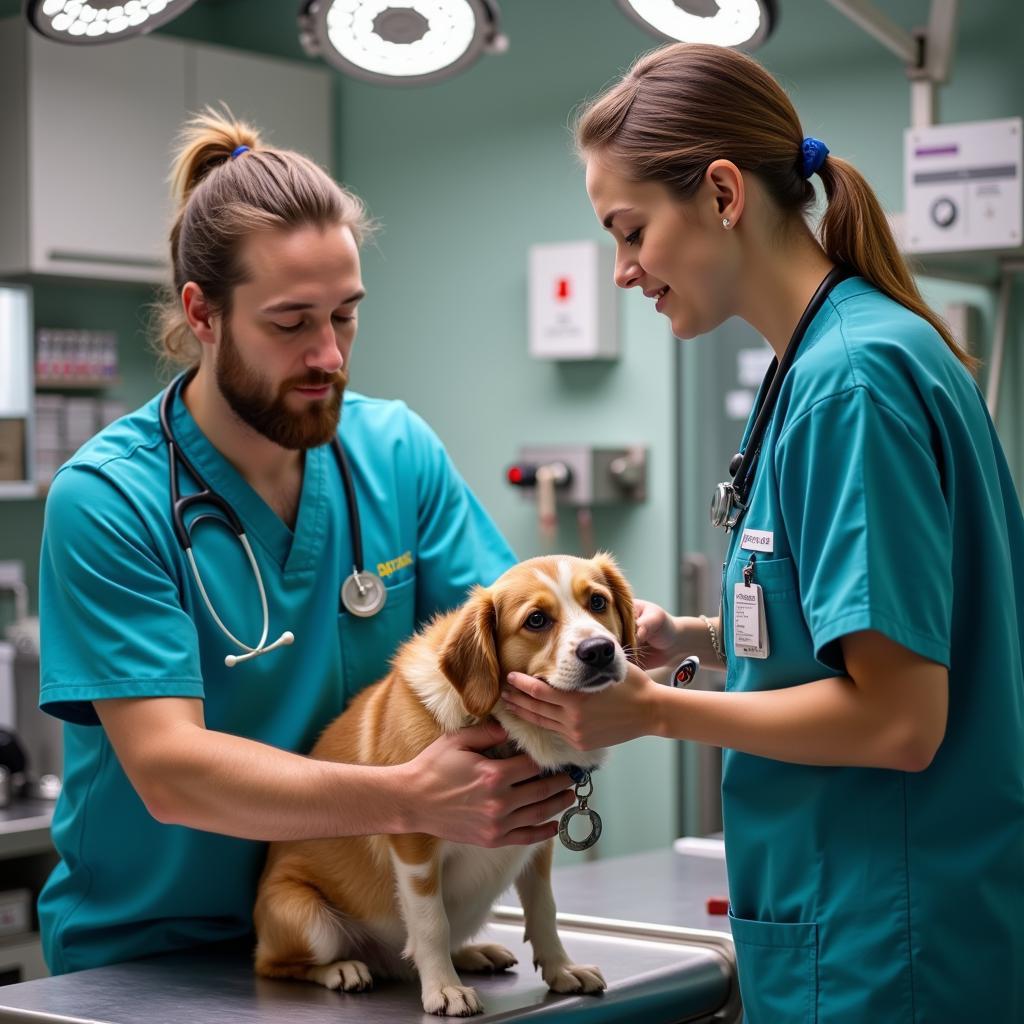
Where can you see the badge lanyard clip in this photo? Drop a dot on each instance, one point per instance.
(749, 625)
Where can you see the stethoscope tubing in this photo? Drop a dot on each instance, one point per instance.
(743, 477)
(228, 517)
(207, 494)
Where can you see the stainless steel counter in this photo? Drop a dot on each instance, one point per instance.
(25, 828)
(642, 919)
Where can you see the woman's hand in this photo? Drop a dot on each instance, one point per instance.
(587, 720)
(658, 635)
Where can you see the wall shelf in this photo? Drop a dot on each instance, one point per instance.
(18, 489)
(76, 384)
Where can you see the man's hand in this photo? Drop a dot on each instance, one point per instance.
(456, 793)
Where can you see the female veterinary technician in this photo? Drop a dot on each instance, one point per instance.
(175, 761)
(873, 785)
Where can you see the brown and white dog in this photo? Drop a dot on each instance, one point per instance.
(338, 911)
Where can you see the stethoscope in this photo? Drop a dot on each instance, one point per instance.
(362, 593)
(729, 502)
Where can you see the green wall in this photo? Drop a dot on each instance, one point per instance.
(464, 176)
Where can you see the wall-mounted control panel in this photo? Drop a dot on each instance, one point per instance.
(963, 187)
(583, 475)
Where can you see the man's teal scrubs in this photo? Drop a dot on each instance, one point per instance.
(122, 617)
(863, 894)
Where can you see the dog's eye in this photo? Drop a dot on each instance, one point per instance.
(598, 602)
(536, 620)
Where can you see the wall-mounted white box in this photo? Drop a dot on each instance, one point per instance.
(573, 301)
(963, 187)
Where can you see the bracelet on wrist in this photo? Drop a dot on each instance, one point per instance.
(715, 644)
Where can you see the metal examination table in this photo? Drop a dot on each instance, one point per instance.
(641, 919)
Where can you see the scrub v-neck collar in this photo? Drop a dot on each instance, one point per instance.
(293, 551)
(852, 285)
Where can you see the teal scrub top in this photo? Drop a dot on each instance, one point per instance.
(863, 894)
(121, 616)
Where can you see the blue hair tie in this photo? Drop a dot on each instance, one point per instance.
(245, 149)
(812, 156)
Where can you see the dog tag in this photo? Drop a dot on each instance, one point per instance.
(595, 828)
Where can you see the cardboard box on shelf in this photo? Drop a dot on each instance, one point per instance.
(12, 449)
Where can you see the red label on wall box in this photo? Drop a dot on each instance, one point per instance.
(562, 289)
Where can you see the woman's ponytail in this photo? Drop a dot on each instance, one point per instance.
(854, 231)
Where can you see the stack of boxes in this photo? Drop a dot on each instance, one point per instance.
(67, 360)
(75, 358)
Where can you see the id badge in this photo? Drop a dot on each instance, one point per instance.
(749, 628)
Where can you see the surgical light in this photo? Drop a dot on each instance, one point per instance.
(401, 42)
(100, 21)
(743, 24)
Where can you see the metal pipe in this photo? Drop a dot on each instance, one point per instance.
(893, 37)
(995, 372)
(924, 103)
(940, 40)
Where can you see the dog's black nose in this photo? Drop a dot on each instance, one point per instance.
(597, 652)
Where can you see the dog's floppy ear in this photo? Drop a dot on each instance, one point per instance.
(622, 595)
(469, 658)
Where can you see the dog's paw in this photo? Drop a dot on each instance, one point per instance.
(452, 1001)
(574, 978)
(347, 975)
(483, 958)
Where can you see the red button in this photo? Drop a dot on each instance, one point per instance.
(718, 905)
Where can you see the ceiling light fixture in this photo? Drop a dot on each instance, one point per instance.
(100, 21)
(743, 24)
(401, 42)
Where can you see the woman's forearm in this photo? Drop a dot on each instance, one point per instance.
(827, 722)
(695, 638)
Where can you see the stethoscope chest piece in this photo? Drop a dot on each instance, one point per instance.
(363, 594)
(726, 507)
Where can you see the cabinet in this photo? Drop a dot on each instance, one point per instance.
(89, 134)
(27, 857)
(289, 102)
(16, 439)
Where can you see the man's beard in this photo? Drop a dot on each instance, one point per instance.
(247, 394)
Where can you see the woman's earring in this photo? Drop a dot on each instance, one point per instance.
(726, 223)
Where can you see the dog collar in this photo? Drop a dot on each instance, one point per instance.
(580, 776)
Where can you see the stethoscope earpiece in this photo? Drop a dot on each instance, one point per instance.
(284, 640)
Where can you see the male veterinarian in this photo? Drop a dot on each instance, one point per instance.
(195, 650)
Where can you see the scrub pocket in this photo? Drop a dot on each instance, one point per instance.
(368, 645)
(791, 652)
(778, 971)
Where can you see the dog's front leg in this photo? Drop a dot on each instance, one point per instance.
(428, 942)
(558, 971)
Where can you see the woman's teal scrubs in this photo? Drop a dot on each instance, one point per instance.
(883, 501)
(122, 617)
